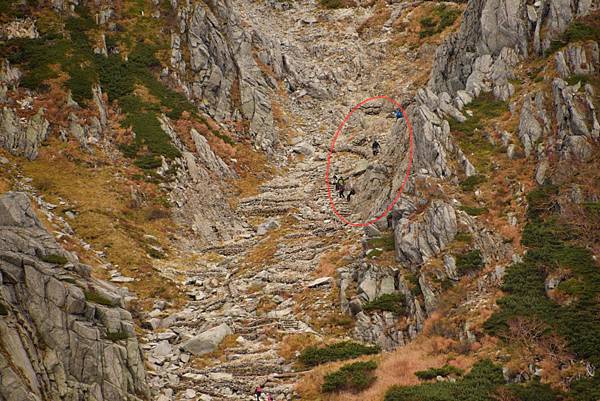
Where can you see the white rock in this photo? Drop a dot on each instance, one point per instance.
(320, 281)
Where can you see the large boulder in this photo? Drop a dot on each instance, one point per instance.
(207, 341)
(417, 241)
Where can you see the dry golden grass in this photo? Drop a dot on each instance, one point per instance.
(101, 197)
(264, 252)
(253, 169)
(375, 22)
(395, 368)
(293, 343)
(332, 260)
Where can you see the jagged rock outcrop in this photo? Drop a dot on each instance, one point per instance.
(19, 28)
(22, 137)
(578, 59)
(495, 33)
(9, 75)
(417, 241)
(533, 123)
(576, 119)
(387, 329)
(64, 335)
(221, 71)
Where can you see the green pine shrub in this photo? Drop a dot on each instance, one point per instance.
(469, 262)
(355, 377)
(313, 356)
(444, 371)
(55, 259)
(387, 302)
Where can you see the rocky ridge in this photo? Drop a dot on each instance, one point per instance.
(65, 335)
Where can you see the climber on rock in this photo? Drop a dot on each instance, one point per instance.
(376, 147)
(399, 114)
(351, 192)
(336, 182)
(258, 392)
(341, 187)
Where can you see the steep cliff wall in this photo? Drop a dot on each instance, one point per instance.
(64, 334)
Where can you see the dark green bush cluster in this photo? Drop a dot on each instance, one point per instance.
(482, 383)
(541, 200)
(469, 262)
(474, 211)
(549, 248)
(313, 356)
(443, 16)
(73, 53)
(36, 56)
(387, 302)
(333, 4)
(484, 107)
(470, 183)
(95, 297)
(117, 335)
(55, 259)
(354, 377)
(444, 371)
(3, 310)
(578, 31)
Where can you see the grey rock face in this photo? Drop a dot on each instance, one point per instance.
(489, 27)
(207, 341)
(578, 59)
(418, 241)
(208, 158)
(55, 337)
(576, 120)
(22, 138)
(225, 75)
(533, 123)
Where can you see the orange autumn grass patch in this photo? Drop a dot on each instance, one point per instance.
(394, 368)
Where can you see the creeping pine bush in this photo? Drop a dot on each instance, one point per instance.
(483, 383)
(313, 356)
(97, 298)
(474, 211)
(55, 259)
(469, 184)
(444, 371)
(72, 51)
(387, 302)
(441, 18)
(551, 246)
(117, 335)
(469, 262)
(353, 377)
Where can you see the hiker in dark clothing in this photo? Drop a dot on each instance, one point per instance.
(376, 147)
(258, 392)
(352, 192)
(390, 220)
(336, 182)
(399, 114)
(341, 187)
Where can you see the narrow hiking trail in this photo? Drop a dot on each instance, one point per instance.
(272, 283)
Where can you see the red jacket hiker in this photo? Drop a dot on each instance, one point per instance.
(258, 393)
